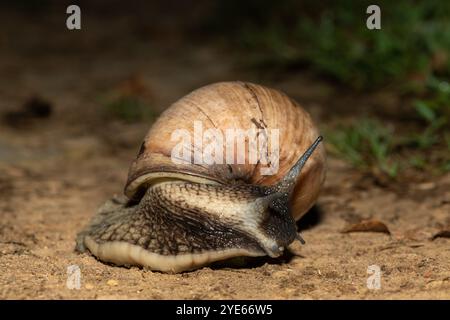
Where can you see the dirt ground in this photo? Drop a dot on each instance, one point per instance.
(56, 171)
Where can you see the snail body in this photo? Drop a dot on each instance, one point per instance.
(181, 216)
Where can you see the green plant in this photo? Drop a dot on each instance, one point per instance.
(418, 162)
(434, 112)
(369, 144)
(436, 109)
(366, 144)
(129, 108)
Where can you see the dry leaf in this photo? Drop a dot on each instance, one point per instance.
(442, 234)
(367, 226)
(133, 86)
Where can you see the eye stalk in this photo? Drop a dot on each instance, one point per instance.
(278, 195)
(286, 186)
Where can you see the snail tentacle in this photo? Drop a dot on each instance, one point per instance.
(287, 184)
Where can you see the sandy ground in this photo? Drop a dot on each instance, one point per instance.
(55, 172)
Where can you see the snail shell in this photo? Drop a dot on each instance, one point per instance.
(182, 215)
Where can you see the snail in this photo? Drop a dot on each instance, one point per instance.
(182, 215)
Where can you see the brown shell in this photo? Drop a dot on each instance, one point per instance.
(228, 105)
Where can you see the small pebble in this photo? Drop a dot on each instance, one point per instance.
(112, 283)
(426, 186)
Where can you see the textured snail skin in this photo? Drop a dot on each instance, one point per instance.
(191, 222)
(181, 217)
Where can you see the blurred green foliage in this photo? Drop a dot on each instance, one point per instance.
(435, 113)
(129, 109)
(331, 37)
(129, 100)
(367, 144)
(370, 144)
